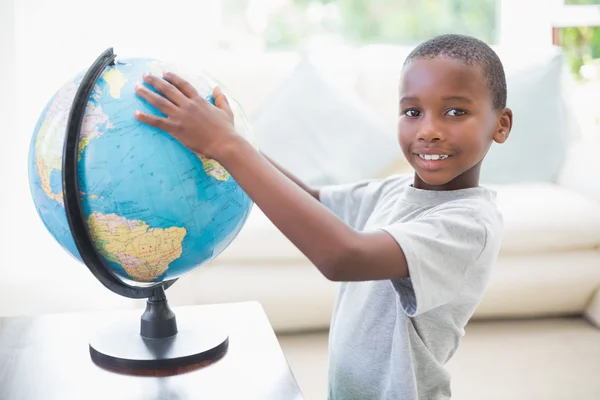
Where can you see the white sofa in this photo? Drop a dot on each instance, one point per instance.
(550, 258)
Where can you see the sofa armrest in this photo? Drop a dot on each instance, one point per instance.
(592, 311)
(581, 170)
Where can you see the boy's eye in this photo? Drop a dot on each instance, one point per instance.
(455, 112)
(411, 112)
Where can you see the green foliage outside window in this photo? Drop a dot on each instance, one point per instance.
(409, 21)
(581, 44)
(377, 21)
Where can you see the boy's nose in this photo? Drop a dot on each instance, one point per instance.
(429, 135)
(429, 130)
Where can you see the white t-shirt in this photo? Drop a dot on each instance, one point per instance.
(390, 339)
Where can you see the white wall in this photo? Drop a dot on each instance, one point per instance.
(7, 52)
(7, 135)
(53, 44)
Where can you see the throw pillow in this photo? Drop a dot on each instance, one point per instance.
(322, 134)
(537, 146)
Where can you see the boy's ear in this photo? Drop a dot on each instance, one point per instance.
(504, 126)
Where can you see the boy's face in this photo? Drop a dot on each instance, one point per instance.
(447, 122)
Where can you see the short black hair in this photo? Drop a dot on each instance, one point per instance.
(470, 51)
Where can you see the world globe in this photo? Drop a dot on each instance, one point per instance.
(135, 206)
(154, 210)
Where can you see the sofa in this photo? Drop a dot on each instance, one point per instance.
(547, 179)
(331, 118)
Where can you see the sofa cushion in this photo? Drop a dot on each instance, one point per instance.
(320, 132)
(581, 171)
(544, 217)
(537, 146)
(538, 218)
(541, 285)
(260, 241)
(592, 311)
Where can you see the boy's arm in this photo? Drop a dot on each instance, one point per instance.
(313, 192)
(338, 251)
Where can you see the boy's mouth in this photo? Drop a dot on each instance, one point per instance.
(434, 157)
(432, 161)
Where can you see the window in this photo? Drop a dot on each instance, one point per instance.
(291, 24)
(576, 28)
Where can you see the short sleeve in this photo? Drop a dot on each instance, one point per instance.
(346, 200)
(439, 247)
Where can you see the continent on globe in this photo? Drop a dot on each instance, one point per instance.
(157, 67)
(94, 119)
(45, 168)
(48, 144)
(115, 80)
(214, 169)
(144, 253)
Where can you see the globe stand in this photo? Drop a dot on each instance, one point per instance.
(156, 342)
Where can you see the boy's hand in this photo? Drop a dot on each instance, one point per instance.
(191, 119)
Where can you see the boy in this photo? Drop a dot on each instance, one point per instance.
(413, 253)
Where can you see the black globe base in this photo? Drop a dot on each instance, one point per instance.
(158, 345)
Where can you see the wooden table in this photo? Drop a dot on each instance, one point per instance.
(47, 357)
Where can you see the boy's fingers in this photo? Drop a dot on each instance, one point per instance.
(218, 94)
(184, 86)
(221, 101)
(158, 101)
(155, 121)
(166, 88)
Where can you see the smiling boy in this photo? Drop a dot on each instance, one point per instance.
(413, 253)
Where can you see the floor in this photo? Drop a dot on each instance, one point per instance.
(548, 359)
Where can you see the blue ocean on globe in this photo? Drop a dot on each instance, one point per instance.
(155, 210)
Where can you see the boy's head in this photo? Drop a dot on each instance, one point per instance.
(452, 107)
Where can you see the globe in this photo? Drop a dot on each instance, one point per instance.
(154, 210)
